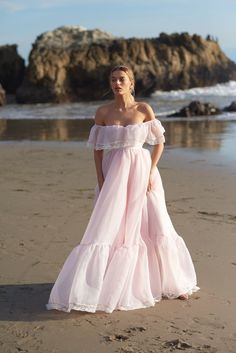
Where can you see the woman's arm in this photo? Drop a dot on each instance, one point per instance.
(98, 154)
(157, 149)
(155, 156)
(98, 157)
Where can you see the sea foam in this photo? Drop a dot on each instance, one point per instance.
(227, 89)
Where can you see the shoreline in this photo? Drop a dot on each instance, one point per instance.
(46, 201)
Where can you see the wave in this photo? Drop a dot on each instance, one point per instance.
(227, 89)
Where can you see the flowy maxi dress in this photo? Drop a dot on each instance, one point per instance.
(130, 255)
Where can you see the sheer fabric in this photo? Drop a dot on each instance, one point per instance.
(115, 136)
(130, 255)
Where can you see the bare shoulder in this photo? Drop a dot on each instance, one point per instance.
(101, 114)
(147, 110)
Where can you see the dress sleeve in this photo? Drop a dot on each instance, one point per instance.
(93, 136)
(155, 133)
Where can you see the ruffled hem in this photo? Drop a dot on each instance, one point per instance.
(94, 273)
(99, 307)
(97, 273)
(188, 291)
(115, 144)
(155, 141)
(117, 136)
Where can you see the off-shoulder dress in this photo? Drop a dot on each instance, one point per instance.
(130, 255)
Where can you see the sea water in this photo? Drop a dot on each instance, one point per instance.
(71, 122)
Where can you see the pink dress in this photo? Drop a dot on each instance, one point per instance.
(130, 255)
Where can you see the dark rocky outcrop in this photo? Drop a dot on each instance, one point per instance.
(11, 68)
(73, 64)
(196, 108)
(231, 107)
(2, 96)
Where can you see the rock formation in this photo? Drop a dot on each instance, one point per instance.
(196, 108)
(11, 68)
(73, 64)
(231, 107)
(2, 96)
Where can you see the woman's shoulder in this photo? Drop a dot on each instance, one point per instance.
(146, 110)
(101, 113)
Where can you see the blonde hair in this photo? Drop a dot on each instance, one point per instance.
(128, 71)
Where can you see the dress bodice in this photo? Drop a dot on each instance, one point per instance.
(117, 136)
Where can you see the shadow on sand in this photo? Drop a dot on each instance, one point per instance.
(27, 302)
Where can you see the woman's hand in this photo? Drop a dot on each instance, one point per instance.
(151, 179)
(100, 183)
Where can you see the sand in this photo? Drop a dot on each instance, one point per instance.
(46, 198)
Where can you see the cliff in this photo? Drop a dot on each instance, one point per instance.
(73, 64)
(11, 68)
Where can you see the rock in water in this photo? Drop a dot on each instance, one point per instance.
(73, 64)
(196, 108)
(231, 107)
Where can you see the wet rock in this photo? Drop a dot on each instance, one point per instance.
(197, 108)
(231, 107)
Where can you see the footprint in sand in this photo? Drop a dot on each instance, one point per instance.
(178, 344)
(116, 337)
(135, 329)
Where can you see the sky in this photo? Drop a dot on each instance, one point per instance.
(21, 21)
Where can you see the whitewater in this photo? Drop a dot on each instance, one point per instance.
(162, 102)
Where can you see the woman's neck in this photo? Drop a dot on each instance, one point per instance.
(124, 102)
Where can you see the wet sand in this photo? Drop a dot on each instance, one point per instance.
(46, 200)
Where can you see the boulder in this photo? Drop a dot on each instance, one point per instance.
(231, 107)
(2, 96)
(196, 108)
(73, 64)
(12, 68)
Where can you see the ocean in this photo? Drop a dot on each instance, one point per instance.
(70, 123)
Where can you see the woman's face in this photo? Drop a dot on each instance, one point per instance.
(120, 83)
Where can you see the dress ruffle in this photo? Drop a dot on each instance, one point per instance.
(116, 136)
(130, 255)
(105, 278)
(97, 277)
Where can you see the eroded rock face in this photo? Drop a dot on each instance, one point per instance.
(2, 96)
(73, 64)
(11, 68)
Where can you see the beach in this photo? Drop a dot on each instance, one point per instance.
(47, 192)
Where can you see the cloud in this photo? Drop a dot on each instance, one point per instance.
(24, 5)
(21, 5)
(11, 6)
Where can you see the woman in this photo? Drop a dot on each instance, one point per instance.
(130, 255)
